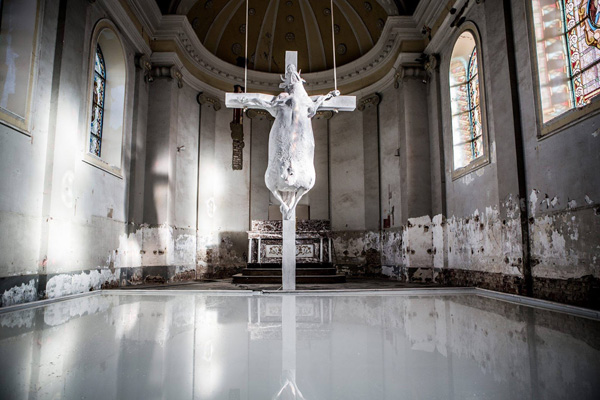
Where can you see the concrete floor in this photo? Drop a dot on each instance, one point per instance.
(226, 284)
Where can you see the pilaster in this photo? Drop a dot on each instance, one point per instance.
(369, 106)
(414, 148)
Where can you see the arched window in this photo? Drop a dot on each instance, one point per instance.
(104, 144)
(567, 42)
(468, 133)
(98, 103)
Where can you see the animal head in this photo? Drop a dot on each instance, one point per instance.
(292, 79)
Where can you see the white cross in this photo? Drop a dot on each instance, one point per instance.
(290, 173)
(339, 103)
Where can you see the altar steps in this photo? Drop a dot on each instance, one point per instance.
(306, 273)
(299, 272)
(309, 265)
(300, 279)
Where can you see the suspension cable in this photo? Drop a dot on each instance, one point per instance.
(246, 53)
(333, 47)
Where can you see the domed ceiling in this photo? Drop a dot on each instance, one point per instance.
(279, 25)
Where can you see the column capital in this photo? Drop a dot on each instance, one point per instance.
(408, 71)
(177, 75)
(327, 114)
(432, 63)
(368, 101)
(143, 62)
(254, 112)
(209, 101)
(168, 72)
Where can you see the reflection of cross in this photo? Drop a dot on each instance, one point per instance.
(291, 173)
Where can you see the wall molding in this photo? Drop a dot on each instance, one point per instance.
(171, 37)
(173, 33)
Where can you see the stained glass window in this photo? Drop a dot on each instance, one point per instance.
(567, 34)
(465, 102)
(98, 103)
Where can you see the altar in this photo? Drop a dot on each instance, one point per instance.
(313, 242)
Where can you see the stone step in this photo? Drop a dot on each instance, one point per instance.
(298, 265)
(277, 272)
(262, 279)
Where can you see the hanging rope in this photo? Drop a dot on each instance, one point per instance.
(333, 47)
(246, 53)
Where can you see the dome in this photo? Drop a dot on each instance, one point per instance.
(279, 25)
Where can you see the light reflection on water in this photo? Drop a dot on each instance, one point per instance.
(198, 346)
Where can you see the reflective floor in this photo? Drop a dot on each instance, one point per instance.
(199, 346)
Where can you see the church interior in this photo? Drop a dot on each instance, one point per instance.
(447, 245)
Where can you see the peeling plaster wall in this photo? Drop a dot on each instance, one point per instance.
(67, 226)
(58, 213)
(479, 239)
(20, 294)
(484, 242)
(563, 184)
(566, 244)
(357, 252)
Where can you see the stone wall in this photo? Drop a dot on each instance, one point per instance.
(525, 222)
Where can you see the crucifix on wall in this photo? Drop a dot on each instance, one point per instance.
(290, 172)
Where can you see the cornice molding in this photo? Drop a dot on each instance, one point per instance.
(119, 16)
(390, 78)
(441, 21)
(148, 13)
(428, 11)
(400, 34)
(170, 58)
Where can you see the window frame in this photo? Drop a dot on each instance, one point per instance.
(12, 120)
(485, 159)
(88, 157)
(566, 119)
(95, 104)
